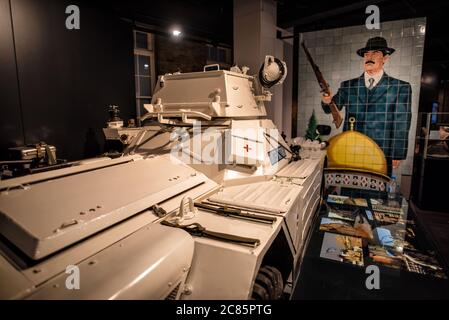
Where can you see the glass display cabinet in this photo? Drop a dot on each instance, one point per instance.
(431, 164)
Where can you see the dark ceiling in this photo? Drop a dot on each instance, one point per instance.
(201, 19)
(212, 20)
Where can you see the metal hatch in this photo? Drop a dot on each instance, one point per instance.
(300, 170)
(48, 216)
(269, 196)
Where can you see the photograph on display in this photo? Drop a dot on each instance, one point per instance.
(344, 227)
(338, 226)
(396, 236)
(424, 264)
(336, 212)
(345, 200)
(411, 261)
(369, 215)
(390, 218)
(342, 248)
(384, 205)
(386, 256)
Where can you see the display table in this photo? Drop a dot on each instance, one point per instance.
(341, 250)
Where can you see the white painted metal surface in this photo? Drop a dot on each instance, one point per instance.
(299, 169)
(81, 251)
(223, 270)
(308, 174)
(14, 285)
(34, 178)
(53, 214)
(270, 196)
(214, 93)
(147, 265)
(247, 143)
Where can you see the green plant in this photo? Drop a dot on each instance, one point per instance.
(311, 132)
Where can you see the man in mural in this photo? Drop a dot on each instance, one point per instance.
(380, 104)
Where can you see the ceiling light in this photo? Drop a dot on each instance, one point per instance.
(176, 32)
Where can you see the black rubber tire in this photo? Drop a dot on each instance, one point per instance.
(268, 284)
(260, 293)
(277, 281)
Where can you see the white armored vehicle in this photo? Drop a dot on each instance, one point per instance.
(207, 201)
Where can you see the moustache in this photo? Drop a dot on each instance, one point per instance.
(370, 61)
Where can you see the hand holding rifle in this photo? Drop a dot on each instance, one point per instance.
(326, 97)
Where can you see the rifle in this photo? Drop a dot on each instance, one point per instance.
(236, 213)
(324, 87)
(195, 229)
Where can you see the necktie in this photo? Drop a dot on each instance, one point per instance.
(371, 83)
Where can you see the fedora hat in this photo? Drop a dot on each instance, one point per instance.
(377, 44)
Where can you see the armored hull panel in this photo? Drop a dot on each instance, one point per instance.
(45, 217)
(150, 264)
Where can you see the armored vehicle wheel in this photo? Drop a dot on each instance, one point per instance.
(260, 293)
(268, 284)
(276, 276)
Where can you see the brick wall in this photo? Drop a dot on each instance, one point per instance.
(179, 54)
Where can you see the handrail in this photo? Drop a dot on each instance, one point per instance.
(176, 113)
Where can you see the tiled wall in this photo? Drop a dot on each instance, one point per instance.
(334, 51)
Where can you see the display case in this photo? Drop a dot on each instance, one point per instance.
(431, 165)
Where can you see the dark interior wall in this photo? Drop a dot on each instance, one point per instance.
(67, 78)
(434, 68)
(443, 96)
(11, 133)
(179, 54)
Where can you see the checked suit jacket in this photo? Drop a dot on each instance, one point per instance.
(382, 113)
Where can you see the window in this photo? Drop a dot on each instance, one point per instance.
(212, 53)
(219, 55)
(144, 69)
(222, 55)
(141, 40)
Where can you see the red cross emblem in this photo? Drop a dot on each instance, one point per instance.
(247, 148)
